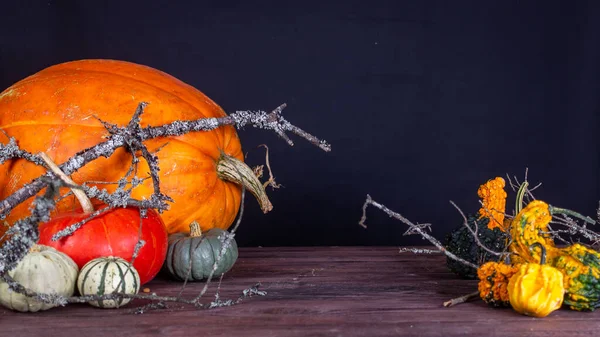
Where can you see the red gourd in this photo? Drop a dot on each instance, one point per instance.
(114, 233)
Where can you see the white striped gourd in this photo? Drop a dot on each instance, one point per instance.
(107, 275)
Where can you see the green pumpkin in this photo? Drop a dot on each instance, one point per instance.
(193, 255)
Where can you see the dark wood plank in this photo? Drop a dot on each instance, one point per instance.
(324, 291)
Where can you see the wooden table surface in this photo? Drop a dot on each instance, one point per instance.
(323, 291)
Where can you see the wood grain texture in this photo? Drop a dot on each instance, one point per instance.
(313, 291)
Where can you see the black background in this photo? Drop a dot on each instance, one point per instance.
(421, 100)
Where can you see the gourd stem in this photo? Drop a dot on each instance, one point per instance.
(520, 196)
(234, 170)
(557, 210)
(195, 230)
(543, 255)
(84, 201)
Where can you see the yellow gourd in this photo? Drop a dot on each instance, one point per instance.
(536, 289)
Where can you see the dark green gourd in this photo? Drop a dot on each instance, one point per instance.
(192, 256)
(461, 243)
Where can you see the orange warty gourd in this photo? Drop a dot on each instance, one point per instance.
(53, 111)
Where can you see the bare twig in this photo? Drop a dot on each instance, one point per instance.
(58, 300)
(417, 229)
(461, 299)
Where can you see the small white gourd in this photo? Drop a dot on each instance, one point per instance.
(107, 275)
(43, 270)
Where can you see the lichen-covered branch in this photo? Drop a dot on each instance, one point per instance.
(120, 136)
(24, 233)
(58, 300)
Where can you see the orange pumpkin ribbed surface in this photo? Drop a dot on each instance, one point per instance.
(53, 111)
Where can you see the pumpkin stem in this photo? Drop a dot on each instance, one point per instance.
(520, 196)
(235, 170)
(557, 210)
(86, 203)
(195, 230)
(35, 248)
(543, 255)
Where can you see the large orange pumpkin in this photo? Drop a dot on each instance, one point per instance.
(53, 111)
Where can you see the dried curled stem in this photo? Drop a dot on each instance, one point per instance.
(258, 171)
(234, 170)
